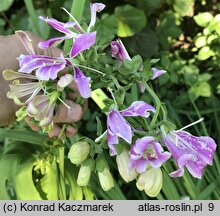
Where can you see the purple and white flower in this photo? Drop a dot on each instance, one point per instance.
(117, 126)
(81, 41)
(119, 51)
(157, 73)
(189, 151)
(147, 151)
(46, 67)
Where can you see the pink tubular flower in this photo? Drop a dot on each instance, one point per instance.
(189, 151)
(117, 126)
(147, 151)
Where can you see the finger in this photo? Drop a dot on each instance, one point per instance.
(55, 131)
(71, 131)
(34, 127)
(66, 115)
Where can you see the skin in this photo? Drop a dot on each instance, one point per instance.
(10, 48)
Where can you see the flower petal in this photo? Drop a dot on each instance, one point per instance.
(94, 8)
(51, 42)
(59, 26)
(82, 83)
(138, 108)
(82, 42)
(26, 40)
(157, 73)
(118, 126)
(119, 51)
(205, 146)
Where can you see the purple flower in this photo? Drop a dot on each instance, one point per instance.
(138, 108)
(157, 73)
(119, 51)
(117, 126)
(190, 151)
(46, 67)
(94, 8)
(82, 83)
(147, 151)
(81, 41)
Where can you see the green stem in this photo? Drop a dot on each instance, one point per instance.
(98, 97)
(158, 104)
(61, 164)
(34, 18)
(76, 11)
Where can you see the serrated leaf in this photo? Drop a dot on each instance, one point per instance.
(5, 4)
(203, 19)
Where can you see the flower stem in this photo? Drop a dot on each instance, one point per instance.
(76, 11)
(61, 164)
(98, 97)
(158, 104)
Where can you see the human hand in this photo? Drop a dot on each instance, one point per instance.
(10, 48)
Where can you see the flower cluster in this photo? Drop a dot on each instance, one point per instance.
(40, 84)
(32, 86)
(147, 155)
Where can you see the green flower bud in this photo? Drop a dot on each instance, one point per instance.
(105, 177)
(79, 152)
(122, 161)
(150, 181)
(85, 173)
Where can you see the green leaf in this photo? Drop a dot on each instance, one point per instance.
(49, 183)
(24, 185)
(7, 174)
(89, 195)
(184, 7)
(202, 89)
(75, 192)
(99, 126)
(200, 41)
(205, 53)
(23, 135)
(5, 4)
(203, 19)
(130, 20)
(148, 5)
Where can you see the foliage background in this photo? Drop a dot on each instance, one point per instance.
(183, 34)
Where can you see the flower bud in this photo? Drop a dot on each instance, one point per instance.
(105, 177)
(122, 161)
(150, 181)
(64, 81)
(79, 152)
(85, 173)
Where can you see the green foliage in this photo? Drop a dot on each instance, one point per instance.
(5, 4)
(129, 25)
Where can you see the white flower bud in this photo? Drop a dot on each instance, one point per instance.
(79, 152)
(122, 161)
